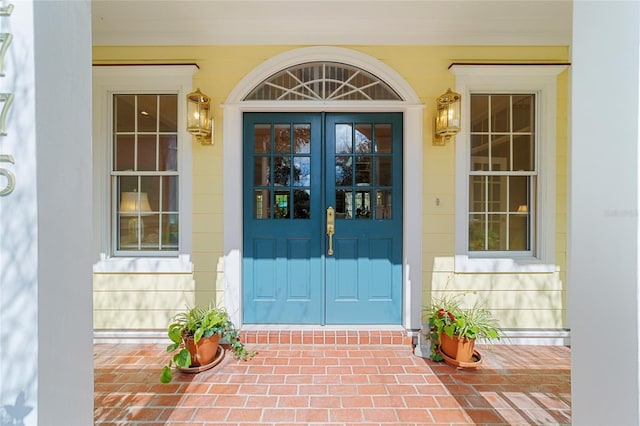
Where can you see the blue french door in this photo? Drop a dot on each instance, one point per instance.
(297, 167)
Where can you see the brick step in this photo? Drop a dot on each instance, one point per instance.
(326, 337)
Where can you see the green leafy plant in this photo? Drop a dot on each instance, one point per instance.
(197, 323)
(445, 315)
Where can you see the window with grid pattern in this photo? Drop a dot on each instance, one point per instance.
(502, 173)
(144, 173)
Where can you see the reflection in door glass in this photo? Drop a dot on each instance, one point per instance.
(302, 138)
(363, 138)
(363, 170)
(262, 138)
(301, 204)
(281, 170)
(302, 171)
(344, 171)
(363, 204)
(282, 138)
(344, 204)
(383, 139)
(344, 141)
(281, 205)
(383, 204)
(383, 171)
(261, 171)
(261, 203)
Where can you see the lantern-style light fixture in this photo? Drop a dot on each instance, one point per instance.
(199, 120)
(447, 117)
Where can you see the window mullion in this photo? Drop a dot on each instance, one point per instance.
(485, 212)
(160, 213)
(511, 133)
(323, 83)
(507, 213)
(139, 229)
(157, 133)
(490, 133)
(135, 133)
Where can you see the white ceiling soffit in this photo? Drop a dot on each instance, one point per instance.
(311, 22)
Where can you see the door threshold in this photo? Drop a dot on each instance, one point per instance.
(325, 335)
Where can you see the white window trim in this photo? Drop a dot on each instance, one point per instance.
(108, 80)
(538, 79)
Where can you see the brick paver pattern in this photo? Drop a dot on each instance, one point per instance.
(334, 383)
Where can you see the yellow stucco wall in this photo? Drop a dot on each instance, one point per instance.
(520, 301)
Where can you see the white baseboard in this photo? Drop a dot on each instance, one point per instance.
(544, 337)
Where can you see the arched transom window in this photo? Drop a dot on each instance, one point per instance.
(323, 81)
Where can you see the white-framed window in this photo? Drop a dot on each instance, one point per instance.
(142, 168)
(502, 173)
(144, 174)
(506, 168)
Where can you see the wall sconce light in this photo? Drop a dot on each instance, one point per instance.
(199, 120)
(447, 117)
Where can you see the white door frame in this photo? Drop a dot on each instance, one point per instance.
(412, 110)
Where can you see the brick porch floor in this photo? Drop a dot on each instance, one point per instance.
(332, 381)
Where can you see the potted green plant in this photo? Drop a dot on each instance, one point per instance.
(453, 329)
(196, 333)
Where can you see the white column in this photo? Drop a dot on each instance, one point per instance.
(604, 205)
(63, 146)
(46, 350)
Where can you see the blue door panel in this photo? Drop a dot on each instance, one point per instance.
(282, 280)
(299, 269)
(380, 267)
(364, 183)
(264, 266)
(342, 275)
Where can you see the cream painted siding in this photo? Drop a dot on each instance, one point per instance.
(517, 300)
(520, 301)
(140, 301)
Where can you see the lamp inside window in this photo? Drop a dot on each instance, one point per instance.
(199, 120)
(135, 205)
(447, 117)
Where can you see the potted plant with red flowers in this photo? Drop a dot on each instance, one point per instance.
(453, 330)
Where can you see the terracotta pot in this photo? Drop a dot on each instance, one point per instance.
(205, 351)
(475, 362)
(456, 348)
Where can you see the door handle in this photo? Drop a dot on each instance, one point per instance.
(331, 224)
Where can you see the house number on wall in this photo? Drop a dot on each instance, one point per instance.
(6, 99)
